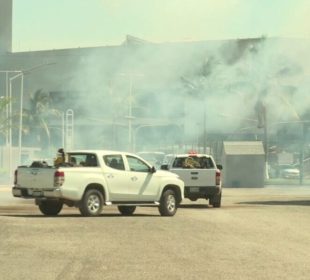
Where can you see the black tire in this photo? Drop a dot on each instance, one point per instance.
(92, 203)
(168, 203)
(126, 210)
(216, 200)
(50, 207)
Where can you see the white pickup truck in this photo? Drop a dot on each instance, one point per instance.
(90, 179)
(201, 176)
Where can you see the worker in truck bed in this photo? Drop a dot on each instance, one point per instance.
(60, 159)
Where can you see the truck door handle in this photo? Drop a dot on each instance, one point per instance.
(110, 176)
(134, 178)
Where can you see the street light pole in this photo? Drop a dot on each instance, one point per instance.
(204, 130)
(21, 117)
(130, 116)
(21, 75)
(9, 80)
(266, 142)
(305, 126)
(7, 106)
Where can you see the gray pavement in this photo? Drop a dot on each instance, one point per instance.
(257, 234)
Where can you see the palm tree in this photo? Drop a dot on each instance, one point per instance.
(4, 119)
(38, 117)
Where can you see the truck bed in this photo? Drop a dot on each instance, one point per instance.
(36, 178)
(196, 177)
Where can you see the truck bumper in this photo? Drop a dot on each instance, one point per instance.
(33, 193)
(201, 192)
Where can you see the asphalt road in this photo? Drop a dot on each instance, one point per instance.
(257, 234)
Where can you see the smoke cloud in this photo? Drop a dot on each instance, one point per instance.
(172, 91)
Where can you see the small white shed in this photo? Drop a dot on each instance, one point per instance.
(243, 164)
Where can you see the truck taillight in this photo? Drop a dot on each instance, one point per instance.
(15, 177)
(59, 178)
(218, 177)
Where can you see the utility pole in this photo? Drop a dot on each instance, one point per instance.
(263, 123)
(204, 130)
(302, 151)
(130, 117)
(69, 130)
(266, 142)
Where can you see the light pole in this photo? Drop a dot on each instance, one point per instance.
(9, 80)
(130, 117)
(21, 75)
(69, 138)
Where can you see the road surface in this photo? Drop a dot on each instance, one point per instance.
(257, 234)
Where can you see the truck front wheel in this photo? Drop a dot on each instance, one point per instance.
(50, 207)
(92, 203)
(168, 203)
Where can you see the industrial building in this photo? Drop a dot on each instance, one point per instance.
(138, 95)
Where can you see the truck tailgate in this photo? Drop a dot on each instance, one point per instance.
(196, 177)
(36, 178)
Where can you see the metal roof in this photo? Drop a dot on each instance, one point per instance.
(244, 148)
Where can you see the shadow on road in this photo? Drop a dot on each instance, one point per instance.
(30, 216)
(275, 202)
(28, 212)
(195, 206)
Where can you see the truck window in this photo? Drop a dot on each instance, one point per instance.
(206, 162)
(114, 161)
(136, 164)
(186, 162)
(202, 162)
(89, 160)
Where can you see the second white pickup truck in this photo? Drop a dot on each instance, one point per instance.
(92, 178)
(201, 176)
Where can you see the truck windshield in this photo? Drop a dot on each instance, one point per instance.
(202, 162)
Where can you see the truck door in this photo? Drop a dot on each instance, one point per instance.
(143, 184)
(117, 177)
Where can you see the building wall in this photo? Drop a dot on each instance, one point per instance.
(243, 171)
(6, 26)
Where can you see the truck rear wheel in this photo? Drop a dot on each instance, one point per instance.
(126, 210)
(168, 203)
(92, 203)
(50, 207)
(215, 201)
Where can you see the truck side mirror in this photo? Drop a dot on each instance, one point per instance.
(153, 169)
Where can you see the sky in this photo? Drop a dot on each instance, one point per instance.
(59, 24)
